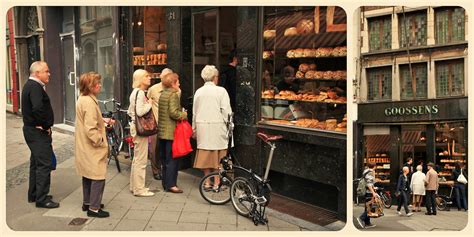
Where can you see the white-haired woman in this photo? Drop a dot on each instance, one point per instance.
(417, 186)
(141, 82)
(211, 108)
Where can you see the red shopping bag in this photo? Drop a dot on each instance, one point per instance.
(181, 144)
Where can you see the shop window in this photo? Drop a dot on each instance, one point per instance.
(450, 78)
(380, 33)
(304, 68)
(449, 25)
(451, 148)
(96, 44)
(377, 150)
(413, 85)
(379, 83)
(413, 29)
(149, 40)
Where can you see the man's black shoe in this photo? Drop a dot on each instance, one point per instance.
(434, 213)
(157, 176)
(99, 214)
(428, 213)
(48, 204)
(48, 197)
(86, 207)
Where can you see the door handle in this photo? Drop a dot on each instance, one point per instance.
(70, 79)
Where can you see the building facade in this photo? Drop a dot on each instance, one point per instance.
(411, 90)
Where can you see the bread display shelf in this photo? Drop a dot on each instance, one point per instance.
(318, 79)
(292, 124)
(312, 101)
(316, 57)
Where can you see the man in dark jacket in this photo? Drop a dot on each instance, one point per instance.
(228, 76)
(38, 118)
(460, 187)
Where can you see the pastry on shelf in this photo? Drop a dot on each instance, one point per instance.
(268, 94)
(340, 129)
(319, 74)
(331, 124)
(299, 74)
(328, 75)
(267, 54)
(269, 34)
(312, 66)
(299, 53)
(290, 53)
(283, 122)
(303, 67)
(304, 26)
(309, 74)
(290, 31)
(162, 47)
(324, 52)
(332, 94)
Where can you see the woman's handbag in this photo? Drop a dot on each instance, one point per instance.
(461, 178)
(181, 144)
(146, 124)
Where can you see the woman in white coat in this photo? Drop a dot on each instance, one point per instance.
(211, 108)
(417, 185)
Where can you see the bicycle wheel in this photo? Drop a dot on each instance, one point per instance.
(387, 200)
(118, 130)
(218, 196)
(441, 204)
(241, 194)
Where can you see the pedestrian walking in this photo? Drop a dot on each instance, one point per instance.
(403, 191)
(409, 164)
(154, 94)
(91, 145)
(460, 185)
(142, 105)
(211, 108)
(38, 118)
(431, 184)
(369, 176)
(169, 110)
(417, 186)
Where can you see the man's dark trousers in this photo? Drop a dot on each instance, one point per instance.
(41, 149)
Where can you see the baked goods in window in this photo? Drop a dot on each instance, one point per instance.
(269, 34)
(283, 122)
(290, 53)
(307, 53)
(299, 74)
(340, 129)
(312, 66)
(299, 53)
(324, 52)
(161, 47)
(309, 74)
(303, 67)
(291, 31)
(328, 75)
(332, 95)
(267, 54)
(268, 94)
(319, 75)
(305, 26)
(331, 124)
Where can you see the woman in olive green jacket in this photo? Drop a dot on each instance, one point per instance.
(169, 113)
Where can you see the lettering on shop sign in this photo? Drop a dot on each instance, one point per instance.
(414, 110)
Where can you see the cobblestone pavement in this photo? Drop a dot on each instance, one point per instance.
(162, 212)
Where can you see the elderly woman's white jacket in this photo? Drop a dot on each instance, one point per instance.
(211, 108)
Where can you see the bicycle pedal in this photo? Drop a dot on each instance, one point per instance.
(261, 200)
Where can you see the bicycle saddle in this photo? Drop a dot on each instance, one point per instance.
(267, 137)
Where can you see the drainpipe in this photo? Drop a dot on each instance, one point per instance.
(13, 61)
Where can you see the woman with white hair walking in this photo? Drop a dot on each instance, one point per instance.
(211, 108)
(417, 186)
(142, 105)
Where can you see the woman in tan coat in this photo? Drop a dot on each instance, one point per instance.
(142, 105)
(91, 145)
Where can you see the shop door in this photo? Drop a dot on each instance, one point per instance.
(205, 39)
(68, 50)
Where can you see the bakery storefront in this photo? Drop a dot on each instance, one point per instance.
(425, 130)
(304, 102)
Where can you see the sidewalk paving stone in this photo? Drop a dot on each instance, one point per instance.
(131, 225)
(171, 226)
(138, 215)
(222, 218)
(170, 207)
(102, 224)
(193, 217)
(167, 216)
(221, 227)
